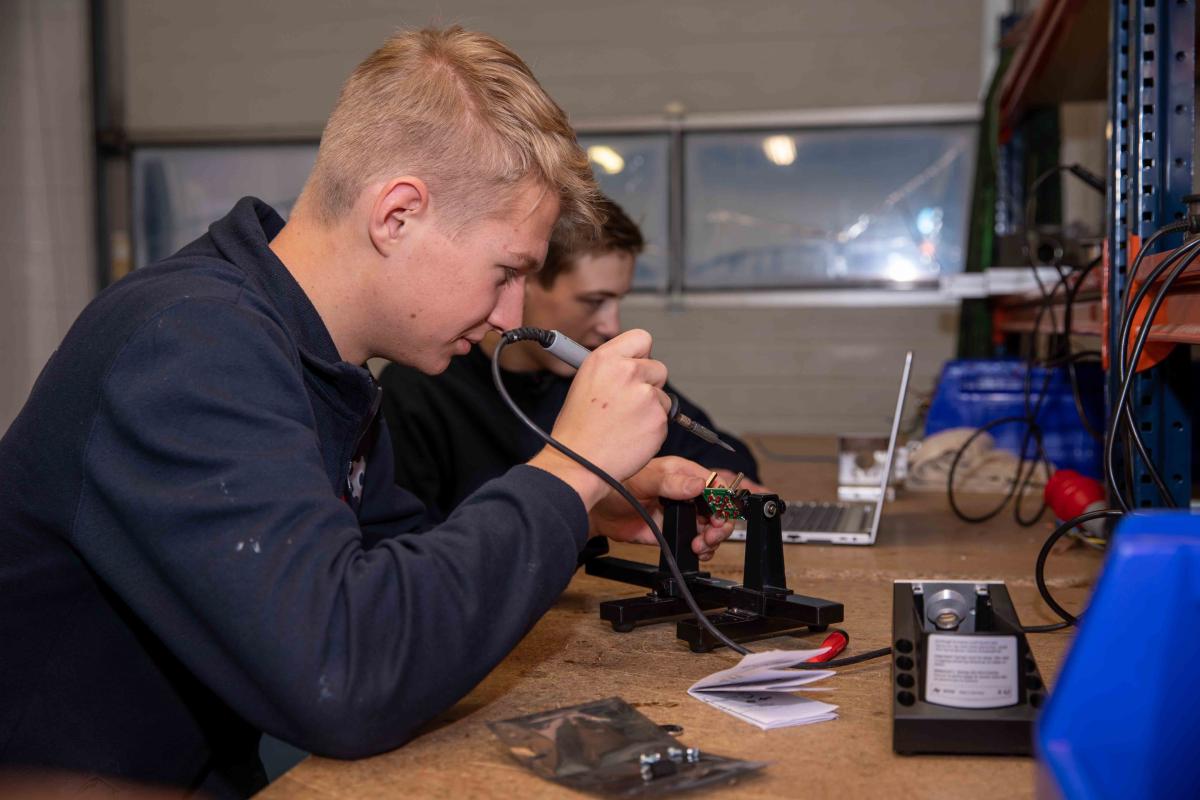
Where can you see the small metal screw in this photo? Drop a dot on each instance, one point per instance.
(770, 509)
(675, 754)
(692, 755)
(652, 767)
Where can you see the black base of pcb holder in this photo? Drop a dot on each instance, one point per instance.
(761, 607)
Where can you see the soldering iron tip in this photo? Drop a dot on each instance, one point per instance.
(727, 447)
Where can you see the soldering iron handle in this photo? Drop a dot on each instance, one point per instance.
(567, 349)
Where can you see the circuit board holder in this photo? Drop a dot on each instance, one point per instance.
(761, 607)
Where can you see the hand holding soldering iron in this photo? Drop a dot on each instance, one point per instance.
(573, 353)
(615, 413)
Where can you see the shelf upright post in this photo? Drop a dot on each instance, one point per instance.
(1151, 107)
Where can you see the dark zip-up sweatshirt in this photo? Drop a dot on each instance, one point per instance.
(191, 551)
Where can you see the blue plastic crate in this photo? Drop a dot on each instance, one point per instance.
(1124, 717)
(973, 392)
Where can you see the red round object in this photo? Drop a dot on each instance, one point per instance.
(1070, 494)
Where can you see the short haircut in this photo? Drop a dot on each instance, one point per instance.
(461, 111)
(617, 233)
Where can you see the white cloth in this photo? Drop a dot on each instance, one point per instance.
(982, 467)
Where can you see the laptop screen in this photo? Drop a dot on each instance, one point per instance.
(895, 434)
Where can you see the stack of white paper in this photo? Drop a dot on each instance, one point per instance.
(759, 690)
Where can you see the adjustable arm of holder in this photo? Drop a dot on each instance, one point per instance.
(665, 601)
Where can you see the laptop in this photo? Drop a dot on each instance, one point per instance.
(843, 522)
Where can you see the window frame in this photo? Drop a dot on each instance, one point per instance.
(676, 127)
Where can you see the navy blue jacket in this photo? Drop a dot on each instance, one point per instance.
(191, 552)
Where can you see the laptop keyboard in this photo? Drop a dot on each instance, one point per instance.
(818, 517)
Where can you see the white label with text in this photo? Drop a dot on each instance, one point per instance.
(971, 671)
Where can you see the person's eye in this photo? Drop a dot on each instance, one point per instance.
(510, 276)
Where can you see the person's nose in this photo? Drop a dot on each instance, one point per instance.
(509, 308)
(608, 322)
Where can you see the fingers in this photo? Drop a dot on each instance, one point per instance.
(678, 465)
(631, 344)
(652, 372)
(727, 476)
(635, 345)
(664, 400)
(679, 485)
(644, 536)
(710, 537)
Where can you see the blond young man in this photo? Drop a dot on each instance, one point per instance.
(201, 535)
(453, 433)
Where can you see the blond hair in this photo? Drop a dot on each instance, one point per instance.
(463, 112)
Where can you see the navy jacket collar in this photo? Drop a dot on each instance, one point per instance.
(243, 236)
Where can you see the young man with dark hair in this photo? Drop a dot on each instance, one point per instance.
(200, 535)
(457, 433)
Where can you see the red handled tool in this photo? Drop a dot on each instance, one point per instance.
(836, 641)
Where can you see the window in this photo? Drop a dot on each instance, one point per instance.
(634, 171)
(768, 208)
(179, 191)
(826, 207)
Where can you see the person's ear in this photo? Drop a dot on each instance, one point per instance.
(398, 204)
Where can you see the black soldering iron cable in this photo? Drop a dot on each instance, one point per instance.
(1039, 570)
(617, 486)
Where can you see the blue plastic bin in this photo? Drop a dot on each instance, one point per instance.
(1123, 720)
(973, 392)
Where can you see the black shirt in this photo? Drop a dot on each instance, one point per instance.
(457, 433)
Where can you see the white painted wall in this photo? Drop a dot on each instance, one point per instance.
(274, 65)
(47, 262)
(809, 369)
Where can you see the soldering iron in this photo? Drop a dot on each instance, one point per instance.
(573, 353)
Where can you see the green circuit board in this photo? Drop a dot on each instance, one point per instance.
(724, 503)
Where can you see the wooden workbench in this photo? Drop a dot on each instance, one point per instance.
(571, 657)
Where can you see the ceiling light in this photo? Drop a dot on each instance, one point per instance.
(606, 158)
(901, 269)
(780, 150)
